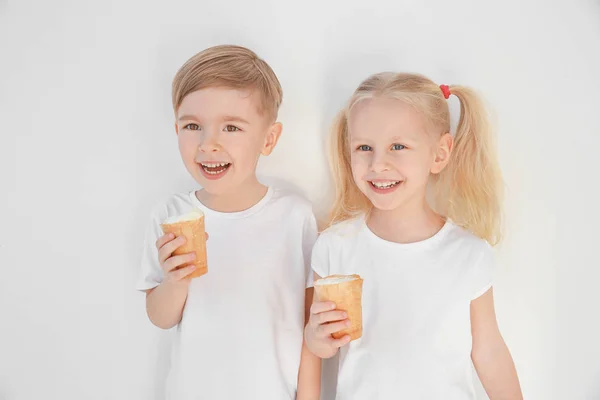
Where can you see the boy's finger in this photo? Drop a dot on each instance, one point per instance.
(181, 273)
(328, 329)
(168, 248)
(177, 261)
(319, 307)
(337, 343)
(160, 242)
(206, 234)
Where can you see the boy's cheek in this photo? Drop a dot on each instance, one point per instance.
(249, 149)
(184, 140)
(188, 147)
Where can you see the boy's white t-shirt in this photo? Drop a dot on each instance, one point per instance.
(416, 341)
(241, 333)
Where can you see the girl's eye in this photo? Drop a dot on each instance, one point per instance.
(398, 147)
(231, 128)
(192, 127)
(364, 147)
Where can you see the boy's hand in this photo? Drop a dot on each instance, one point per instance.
(325, 320)
(169, 263)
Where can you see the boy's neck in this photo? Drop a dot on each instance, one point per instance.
(409, 224)
(242, 198)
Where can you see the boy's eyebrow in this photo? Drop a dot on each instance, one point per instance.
(231, 118)
(186, 117)
(227, 118)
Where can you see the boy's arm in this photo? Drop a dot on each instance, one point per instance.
(164, 303)
(309, 375)
(491, 357)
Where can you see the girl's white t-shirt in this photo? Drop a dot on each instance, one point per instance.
(241, 333)
(416, 341)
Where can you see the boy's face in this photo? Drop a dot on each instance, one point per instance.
(221, 136)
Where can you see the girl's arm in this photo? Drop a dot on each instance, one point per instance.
(491, 357)
(309, 376)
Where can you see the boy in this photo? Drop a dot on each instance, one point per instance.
(240, 326)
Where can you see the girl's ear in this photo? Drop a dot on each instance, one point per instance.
(442, 153)
(272, 137)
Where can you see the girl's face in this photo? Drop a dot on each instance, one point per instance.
(392, 152)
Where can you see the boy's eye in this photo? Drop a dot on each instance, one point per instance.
(363, 147)
(192, 127)
(398, 147)
(231, 128)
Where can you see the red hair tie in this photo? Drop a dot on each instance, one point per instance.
(445, 90)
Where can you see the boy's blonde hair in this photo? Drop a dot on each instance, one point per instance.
(468, 190)
(232, 67)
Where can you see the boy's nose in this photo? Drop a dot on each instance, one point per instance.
(209, 143)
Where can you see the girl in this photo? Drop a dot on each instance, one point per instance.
(428, 308)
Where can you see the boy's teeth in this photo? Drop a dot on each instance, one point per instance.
(213, 168)
(214, 165)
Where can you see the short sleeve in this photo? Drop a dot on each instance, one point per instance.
(483, 272)
(309, 237)
(320, 256)
(150, 274)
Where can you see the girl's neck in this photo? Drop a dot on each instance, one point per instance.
(406, 224)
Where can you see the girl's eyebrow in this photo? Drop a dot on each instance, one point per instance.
(394, 138)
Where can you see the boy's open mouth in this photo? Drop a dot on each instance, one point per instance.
(214, 169)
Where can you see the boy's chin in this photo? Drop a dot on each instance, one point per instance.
(216, 188)
(223, 186)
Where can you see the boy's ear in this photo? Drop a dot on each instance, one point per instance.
(176, 129)
(272, 137)
(442, 154)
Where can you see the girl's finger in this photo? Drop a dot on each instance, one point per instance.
(330, 316)
(337, 343)
(319, 307)
(328, 329)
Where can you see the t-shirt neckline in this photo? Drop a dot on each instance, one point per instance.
(420, 245)
(236, 214)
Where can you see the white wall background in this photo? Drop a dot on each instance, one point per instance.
(87, 148)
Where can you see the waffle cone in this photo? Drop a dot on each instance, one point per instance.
(195, 236)
(347, 296)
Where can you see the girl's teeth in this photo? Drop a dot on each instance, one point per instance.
(385, 185)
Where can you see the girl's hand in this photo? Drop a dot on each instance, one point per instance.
(323, 321)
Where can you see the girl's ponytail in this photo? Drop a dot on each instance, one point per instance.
(471, 184)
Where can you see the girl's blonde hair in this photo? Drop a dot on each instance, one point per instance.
(468, 191)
